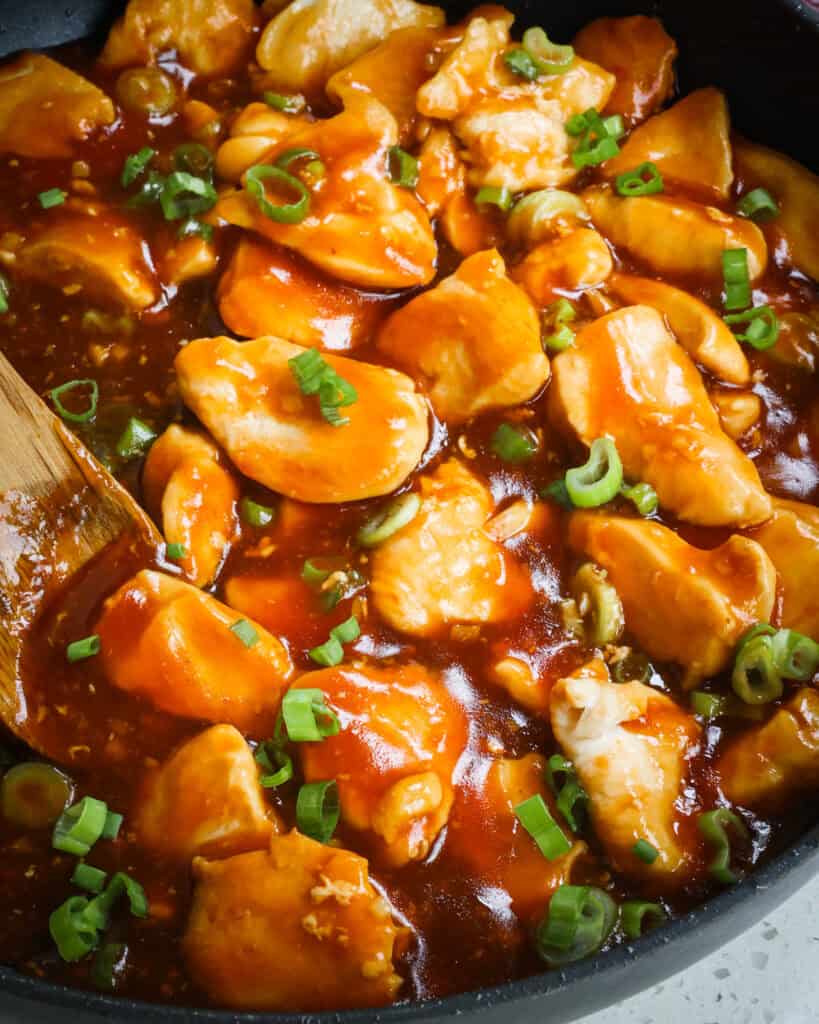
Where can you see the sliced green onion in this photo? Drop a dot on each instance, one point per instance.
(634, 912)
(492, 195)
(576, 125)
(318, 810)
(736, 278)
(404, 169)
(634, 667)
(348, 631)
(385, 524)
(714, 825)
(756, 678)
(559, 340)
(712, 705)
(175, 552)
(245, 632)
(278, 764)
(572, 800)
(579, 921)
(185, 195)
(71, 931)
(643, 497)
(89, 878)
(557, 492)
(598, 480)
(136, 439)
(759, 205)
(99, 909)
(316, 169)
(599, 137)
(536, 818)
(307, 718)
(290, 156)
(255, 514)
(763, 327)
(313, 573)
(287, 104)
(514, 444)
(314, 376)
(331, 653)
(193, 158)
(79, 650)
(192, 228)
(796, 655)
(614, 126)
(93, 399)
(53, 197)
(558, 316)
(644, 180)
(758, 629)
(135, 165)
(521, 63)
(34, 794)
(113, 823)
(5, 291)
(602, 150)
(108, 964)
(644, 851)
(149, 192)
(550, 58)
(284, 213)
(79, 827)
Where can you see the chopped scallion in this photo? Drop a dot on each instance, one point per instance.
(135, 165)
(599, 479)
(255, 514)
(399, 513)
(714, 826)
(185, 195)
(644, 180)
(514, 444)
(404, 169)
(762, 331)
(245, 632)
(282, 213)
(642, 496)
(175, 552)
(633, 914)
(579, 921)
(135, 440)
(736, 278)
(318, 810)
(536, 818)
(758, 205)
(491, 195)
(550, 58)
(644, 851)
(53, 197)
(315, 376)
(572, 799)
(286, 104)
(79, 650)
(521, 63)
(193, 158)
(89, 878)
(306, 716)
(73, 385)
(331, 652)
(80, 826)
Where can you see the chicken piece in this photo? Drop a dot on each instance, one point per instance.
(247, 396)
(681, 603)
(441, 172)
(515, 133)
(689, 143)
(211, 37)
(188, 259)
(699, 330)
(311, 39)
(507, 856)
(266, 289)
(519, 680)
(253, 134)
(473, 341)
(442, 568)
(102, 254)
(171, 644)
(791, 539)
(658, 413)
(401, 736)
(205, 799)
(362, 228)
(298, 928)
(468, 229)
(574, 262)
(796, 191)
(640, 53)
(673, 235)
(46, 109)
(770, 764)
(738, 411)
(393, 73)
(628, 743)
(190, 491)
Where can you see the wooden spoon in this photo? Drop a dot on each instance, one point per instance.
(59, 509)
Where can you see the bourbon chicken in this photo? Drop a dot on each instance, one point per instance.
(464, 382)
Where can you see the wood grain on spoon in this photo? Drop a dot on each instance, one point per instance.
(59, 509)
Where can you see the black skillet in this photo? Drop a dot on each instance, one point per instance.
(765, 55)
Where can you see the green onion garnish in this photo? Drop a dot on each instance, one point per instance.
(522, 63)
(797, 656)
(307, 718)
(89, 878)
(135, 165)
(403, 166)
(550, 58)
(175, 552)
(644, 851)
(80, 826)
(193, 158)
(714, 826)
(136, 439)
(557, 492)
(644, 180)
(245, 632)
(284, 213)
(634, 912)
(255, 514)
(536, 818)
(149, 192)
(113, 823)
(762, 331)
(314, 376)
(73, 935)
(557, 335)
(277, 763)
(79, 650)
(287, 104)
(53, 197)
(579, 921)
(708, 705)
(642, 496)
(756, 679)
(598, 141)
(513, 444)
(759, 205)
(5, 290)
(185, 195)
(313, 573)
(93, 399)
(599, 479)
(394, 517)
(331, 652)
(491, 195)
(736, 278)
(318, 810)
(108, 964)
(572, 799)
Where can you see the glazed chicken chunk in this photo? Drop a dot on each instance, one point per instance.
(401, 736)
(297, 928)
(681, 603)
(248, 397)
(791, 539)
(473, 340)
(574, 262)
(658, 413)
(443, 568)
(205, 799)
(46, 109)
(183, 656)
(193, 495)
(628, 743)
